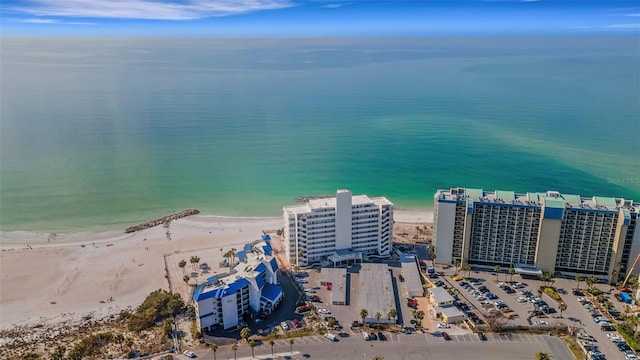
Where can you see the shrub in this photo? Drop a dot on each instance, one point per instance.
(552, 293)
(158, 305)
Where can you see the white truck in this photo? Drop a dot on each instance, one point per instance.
(331, 337)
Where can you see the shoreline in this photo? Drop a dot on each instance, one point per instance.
(48, 280)
(12, 238)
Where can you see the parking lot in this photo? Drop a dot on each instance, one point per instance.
(577, 316)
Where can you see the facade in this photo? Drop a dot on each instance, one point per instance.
(558, 233)
(340, 229)
(443, 305)
(247, 287)
(439, 297)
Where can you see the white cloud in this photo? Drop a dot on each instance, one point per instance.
(530, 0)
(624, 26)
(333, 6)
(148, 9)
(54, 21)
(632, 14)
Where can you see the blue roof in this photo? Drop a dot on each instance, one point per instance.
(212, 278)
(236, 285)
(267, 249)
(266, 237)
(261, 267)
(274, 264)
(259, 281)
(198, 295)
(241, 255)
(247, 247)
(271, 292)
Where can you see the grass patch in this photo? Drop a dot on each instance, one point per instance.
(573, 346)
(629, 336)
(552, 293)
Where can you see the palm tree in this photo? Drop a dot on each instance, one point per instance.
(332, 322)
(432, 253)
(234, 347)
(193, 262)
(363, 315)
(214, 347)
(512, 272)
(378, 316)
(456, 264)
(291, 342)
(393, 313)
(182, 264)
(562, 307)
(468, 270)
(252, 344)
(197, 261)
(233, 254)
(418, 232)
(497, 270)
(272, 343)
(378, 357)
(578, 279)
(590, 281)
(186, 279)
(419, 315)
(245, 332)
(542, 355)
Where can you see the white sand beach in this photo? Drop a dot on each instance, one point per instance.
(72, 275)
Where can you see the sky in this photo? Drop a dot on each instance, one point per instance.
(318, 17)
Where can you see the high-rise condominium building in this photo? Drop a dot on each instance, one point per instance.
(566, 235)
(339, 229)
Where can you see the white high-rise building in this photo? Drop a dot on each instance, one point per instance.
(342, 228)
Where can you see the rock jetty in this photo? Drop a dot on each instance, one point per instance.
(304, 199)
(162, 220)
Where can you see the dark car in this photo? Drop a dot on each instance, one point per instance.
(343, 334)
(446, 336)
(439, 283)
(381, 336)
(401, 278)
(372, 336)
(622, 346)
(482, 336)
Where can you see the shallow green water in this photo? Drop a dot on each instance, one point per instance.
(100, 133)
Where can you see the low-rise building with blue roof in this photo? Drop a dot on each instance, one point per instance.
(248, 286)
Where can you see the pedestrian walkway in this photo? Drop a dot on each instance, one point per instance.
(275, 356)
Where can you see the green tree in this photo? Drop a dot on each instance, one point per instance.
(193, 262)
(542, 355)
(182, 264)
(562, 307)
(419, 315)
(186, 279)
(252, 344)
(245, 333)
(456, 264)
(512, 272)
(332, 322)
(432, 253)
(393, 313)
(119, 339)
(590, 281)
(234, 347)
(468, 270)
(291, 342)
(497, 270)
(58, 353)
(578, 279)
(363, 315)
(272, 343)
(378, 357)
(378, 316)
(214, 347)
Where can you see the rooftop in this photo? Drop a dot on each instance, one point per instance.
(338, 279)
(411, 274)
(376, 290)
(551, 199)
(330, 204)
(253, 258)
(440, 295)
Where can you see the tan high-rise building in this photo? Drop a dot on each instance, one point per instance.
(565, 235)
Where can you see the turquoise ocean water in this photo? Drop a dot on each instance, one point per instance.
(101, 133)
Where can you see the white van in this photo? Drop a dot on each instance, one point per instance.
(330, 337)
(365, 335)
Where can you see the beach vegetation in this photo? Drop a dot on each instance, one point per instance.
(58, 353)
(195, 330)
(158, 306)
(31, 356)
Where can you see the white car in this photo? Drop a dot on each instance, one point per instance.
(443, 325)
(522, 300)
(324, 311)
(582, 300)
(542, 322)
(614, 337)
(189, 353)
(284, 325)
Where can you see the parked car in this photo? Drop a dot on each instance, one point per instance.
(482, 336)
(189, 353)
(446, 336)
(443, 325)
(381, 336)
(331, 337)
(366, 336)
(284, 325)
